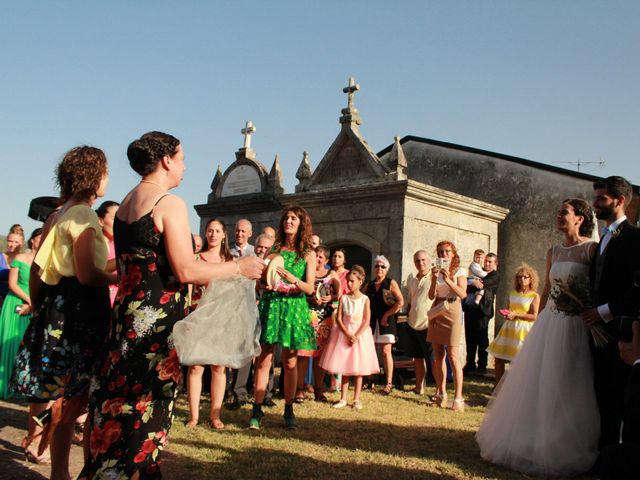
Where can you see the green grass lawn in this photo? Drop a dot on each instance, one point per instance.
(394, 437)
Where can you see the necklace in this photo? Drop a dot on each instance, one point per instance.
(152, 183)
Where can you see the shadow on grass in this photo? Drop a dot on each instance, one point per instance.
(276, 464)
(12, 468)
(422, 442)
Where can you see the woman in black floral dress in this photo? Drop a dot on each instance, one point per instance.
(133, 394)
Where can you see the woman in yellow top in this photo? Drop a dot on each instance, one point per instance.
(524, 303)
(70, 299)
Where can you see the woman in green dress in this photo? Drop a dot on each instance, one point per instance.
(16, 311)
(14, 319)
(284, 311)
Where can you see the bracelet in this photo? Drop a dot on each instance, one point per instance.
(237, 266)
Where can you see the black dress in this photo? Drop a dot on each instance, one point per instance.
(378, 307)
(131, 405)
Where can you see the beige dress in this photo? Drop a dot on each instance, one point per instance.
(446, 327)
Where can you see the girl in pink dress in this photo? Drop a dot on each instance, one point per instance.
(350, 350)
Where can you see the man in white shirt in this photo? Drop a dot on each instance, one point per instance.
(417, 322)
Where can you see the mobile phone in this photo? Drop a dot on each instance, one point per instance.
(504, 311)
(626, 332)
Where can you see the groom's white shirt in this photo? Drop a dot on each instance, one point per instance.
(603, 310)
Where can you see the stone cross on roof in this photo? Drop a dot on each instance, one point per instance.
(350, 90)
(247, 131)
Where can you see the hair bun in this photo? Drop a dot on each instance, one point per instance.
(145, 153)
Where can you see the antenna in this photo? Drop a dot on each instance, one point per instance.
(601, 163)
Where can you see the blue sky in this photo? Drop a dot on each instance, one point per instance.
(548, 81)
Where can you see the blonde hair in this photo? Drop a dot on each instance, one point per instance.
(526, 269)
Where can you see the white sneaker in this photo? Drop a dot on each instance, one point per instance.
(340, 404)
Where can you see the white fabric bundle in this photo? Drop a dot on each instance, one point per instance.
(224, 329)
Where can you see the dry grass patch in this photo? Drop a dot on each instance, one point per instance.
(395, 437)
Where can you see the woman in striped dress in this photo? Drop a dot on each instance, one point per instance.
(524, 303)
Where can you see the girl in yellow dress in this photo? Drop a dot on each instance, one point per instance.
(524, 303)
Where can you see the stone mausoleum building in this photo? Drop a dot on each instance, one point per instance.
(412, 194)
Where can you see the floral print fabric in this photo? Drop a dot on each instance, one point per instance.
(133, 393)
(60, 347)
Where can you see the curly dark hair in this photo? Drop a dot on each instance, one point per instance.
(583, 209)
(80, 172)
(145, 153)
(303, 237)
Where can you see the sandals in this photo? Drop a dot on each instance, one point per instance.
(299, 398)
(458, 405)
(357, 405)
(440, 400)
(387, 389)
(30, 455)
(78, 434)
(320, 397)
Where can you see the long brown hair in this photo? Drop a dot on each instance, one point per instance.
(455, 260)
(303, 237)
(225, 253)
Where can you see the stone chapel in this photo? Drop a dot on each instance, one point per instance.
(410, 195)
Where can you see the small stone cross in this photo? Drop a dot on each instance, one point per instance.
(350, 91)
(247, 131)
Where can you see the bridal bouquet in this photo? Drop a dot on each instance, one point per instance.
(572, 298)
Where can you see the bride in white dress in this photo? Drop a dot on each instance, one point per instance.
(544, 419)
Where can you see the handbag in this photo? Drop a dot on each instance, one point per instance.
(438, 310)
(388, 297)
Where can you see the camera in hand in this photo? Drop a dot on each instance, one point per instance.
(441, 263)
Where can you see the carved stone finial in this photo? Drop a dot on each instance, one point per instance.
(397, 161)
(247, 131)
(304, 172)
(216, 179)
(275, 177)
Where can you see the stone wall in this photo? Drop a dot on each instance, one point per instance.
(532, 195)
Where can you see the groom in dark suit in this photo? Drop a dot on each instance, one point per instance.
(622, 462)
(615, 266)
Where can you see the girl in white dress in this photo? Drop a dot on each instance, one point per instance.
(544, 418)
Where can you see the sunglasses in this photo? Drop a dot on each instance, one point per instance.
(381, 266)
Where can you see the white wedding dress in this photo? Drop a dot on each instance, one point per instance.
(543, 419)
